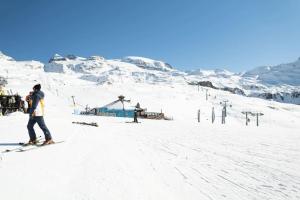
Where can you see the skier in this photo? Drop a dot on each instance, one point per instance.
(2, 91)
(2, 101)
(135, 116)
(36, 112)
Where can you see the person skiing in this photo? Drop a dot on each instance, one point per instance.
(36, 112)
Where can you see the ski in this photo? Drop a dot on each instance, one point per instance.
(37, 146)
(85, 123)
(22, 145)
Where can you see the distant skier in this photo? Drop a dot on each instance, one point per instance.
(2, 101)
(135, 116)
(2, 90)
(36, 112)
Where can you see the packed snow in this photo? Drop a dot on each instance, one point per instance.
(155, 159)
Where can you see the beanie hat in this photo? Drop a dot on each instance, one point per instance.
(37, 87)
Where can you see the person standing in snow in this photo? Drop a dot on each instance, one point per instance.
(36, 115)
(2, 91)
(135, 116)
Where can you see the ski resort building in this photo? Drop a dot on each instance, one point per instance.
(118, 108)
(123, 108)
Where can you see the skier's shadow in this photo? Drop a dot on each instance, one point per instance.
(10, 144)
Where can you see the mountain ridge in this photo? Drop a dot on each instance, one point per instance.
(280, 83)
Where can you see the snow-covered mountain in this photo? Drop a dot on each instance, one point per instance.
(103, 71)
(155, 159)
(150, 64)
(280, 83)
(283, 74)
(4, 57)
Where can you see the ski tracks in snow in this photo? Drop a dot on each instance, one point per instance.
(220, 166)
(134, 161)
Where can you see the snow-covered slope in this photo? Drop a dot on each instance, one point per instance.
(102, 71)
(178, 159)
(279, 83)
(147, 63)
(220, 78)
(288, 74)
(20, 72)
(4, 57)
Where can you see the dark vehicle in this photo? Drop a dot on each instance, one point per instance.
(11, 103)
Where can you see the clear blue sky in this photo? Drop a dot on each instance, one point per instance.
(232, 34)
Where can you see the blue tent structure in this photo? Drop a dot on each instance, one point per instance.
(123, 108)
(118, 108)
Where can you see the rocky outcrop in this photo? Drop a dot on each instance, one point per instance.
(57, 57)
(203, 83)
(296, 94)
(97, 58)
(234, 90)
(284, 97)
(3, 81)
(71, 57)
